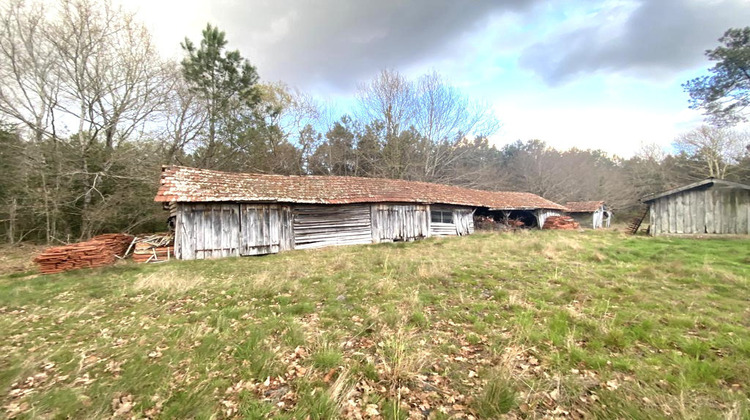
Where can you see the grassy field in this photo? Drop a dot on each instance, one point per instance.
(527, 325)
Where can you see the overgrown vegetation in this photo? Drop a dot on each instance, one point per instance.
(531, 324)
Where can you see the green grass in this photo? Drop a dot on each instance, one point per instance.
(532, 324)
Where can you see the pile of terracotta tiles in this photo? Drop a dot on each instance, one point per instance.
(99, 251)
(561, 223)
(153, 248)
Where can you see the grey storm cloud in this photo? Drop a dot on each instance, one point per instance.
(659, 37)
(339, 42)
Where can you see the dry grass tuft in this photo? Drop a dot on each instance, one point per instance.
(18, 258)
(168, 281)
(402, 357)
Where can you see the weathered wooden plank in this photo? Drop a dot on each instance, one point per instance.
(375, 223)
(700, 211)
(719, 211)
(399, 222)
(286, 241)
(663, 215)
(319, 226)
(743, 211)
(679, 209)
(178, 226)
(689, 212)
(692, 212)
(652, 219)
(710, 227)
(199, 235)
(261, 230)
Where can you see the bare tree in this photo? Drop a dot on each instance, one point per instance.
(444, 116)
(84, 75)
(30, 90)
(428, 125)
(112, 83)
(183, 121)
(389, 98)
(716, 148)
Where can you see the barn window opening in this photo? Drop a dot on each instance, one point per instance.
(441, 216)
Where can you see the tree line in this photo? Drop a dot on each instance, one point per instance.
(89, 111)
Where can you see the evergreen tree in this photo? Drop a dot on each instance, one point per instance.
(228, 84)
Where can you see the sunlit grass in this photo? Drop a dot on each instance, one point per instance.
(532, 324)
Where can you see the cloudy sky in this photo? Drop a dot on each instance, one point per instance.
(580, 73)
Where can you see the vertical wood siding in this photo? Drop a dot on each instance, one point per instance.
(214, 230)
(399, 222)
(712, 210)
(464, 221)
(319, 226)
(598, 218)
(207, 231)
(260, 231)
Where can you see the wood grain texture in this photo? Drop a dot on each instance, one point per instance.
(712, 210)
(326, 225)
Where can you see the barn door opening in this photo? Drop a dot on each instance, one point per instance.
(260, 231)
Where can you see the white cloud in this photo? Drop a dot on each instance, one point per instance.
(618, 131)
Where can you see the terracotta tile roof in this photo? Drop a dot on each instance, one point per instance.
(583, 206)
(183, 184)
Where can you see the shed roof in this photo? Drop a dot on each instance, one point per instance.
(183, 184)
(706, 182)
(583, 206)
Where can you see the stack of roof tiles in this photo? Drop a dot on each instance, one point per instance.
(561, 223)
(183, 184)
(99, 251)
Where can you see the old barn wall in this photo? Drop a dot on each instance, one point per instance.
(714, 210)
(462, 221)
(399, 222)
(215, 230)
(210, 230)
(319, 226)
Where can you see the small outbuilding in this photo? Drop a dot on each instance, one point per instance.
(219, 214)
(590, 214)
(711, 206)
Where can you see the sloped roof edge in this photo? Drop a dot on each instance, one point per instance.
(709, 181)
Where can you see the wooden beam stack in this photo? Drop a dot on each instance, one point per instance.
(561, 223)
(154, 248)
(99, 251)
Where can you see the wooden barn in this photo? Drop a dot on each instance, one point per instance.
(219, 214)
(710, 206)
(590, 214)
